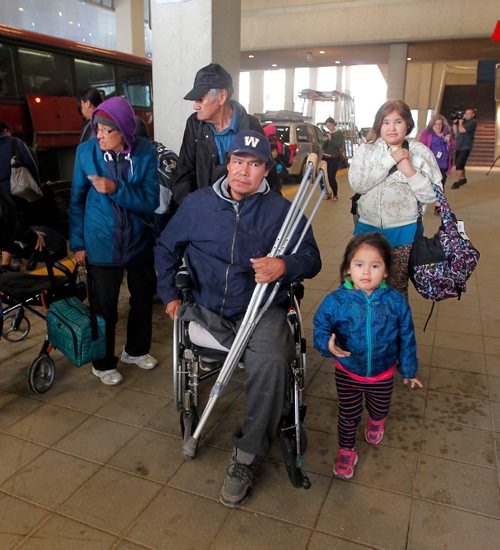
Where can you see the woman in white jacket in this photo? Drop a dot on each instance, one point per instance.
(392, 175)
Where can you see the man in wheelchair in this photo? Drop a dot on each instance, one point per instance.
(224, 233)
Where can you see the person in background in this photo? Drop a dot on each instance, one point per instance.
(368, 329)
(464, 129)
(11, 146)
(393, 175)
(90, 99)
(333, 152)
(209, 130)
(114, 194)
(276, 172)
(438, 137)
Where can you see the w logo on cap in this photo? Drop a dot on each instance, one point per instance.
(251, 141)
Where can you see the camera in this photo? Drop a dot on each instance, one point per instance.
(457, 114)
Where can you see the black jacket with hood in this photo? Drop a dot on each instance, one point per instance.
(198, 159)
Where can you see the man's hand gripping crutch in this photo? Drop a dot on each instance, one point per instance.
(254, 310)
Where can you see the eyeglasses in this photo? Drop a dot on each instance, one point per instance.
(105, 131)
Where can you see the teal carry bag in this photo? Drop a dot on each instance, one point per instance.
(76, 330)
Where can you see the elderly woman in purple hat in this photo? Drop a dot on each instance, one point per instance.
(115, 191)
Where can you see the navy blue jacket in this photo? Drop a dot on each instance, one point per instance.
(217, 237)
(114, 229)
(9, 146)
(377, 330)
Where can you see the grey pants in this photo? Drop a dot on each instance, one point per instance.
(266, 359)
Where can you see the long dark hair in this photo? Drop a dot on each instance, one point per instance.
(387, 108)
(376, 240)
(91, 94)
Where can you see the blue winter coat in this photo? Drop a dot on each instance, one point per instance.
(377, 330)
(217, 237)
(114, 229)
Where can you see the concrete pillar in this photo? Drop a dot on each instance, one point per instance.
(397, 71)
(313, 85)
(339, 87)
(256, 103)
(129, 16)
(186, 37)
(424, 95)
(289, 86)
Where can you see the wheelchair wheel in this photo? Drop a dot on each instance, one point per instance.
(15, 326)
(293, 462)
(41, 374)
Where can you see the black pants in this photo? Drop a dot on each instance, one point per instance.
(141, 281)
(332, 165)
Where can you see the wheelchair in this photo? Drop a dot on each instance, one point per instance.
(21, 292)
(194, 362)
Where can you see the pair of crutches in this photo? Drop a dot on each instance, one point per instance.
(254, 311)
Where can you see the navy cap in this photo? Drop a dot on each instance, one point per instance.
(253, 143)
(211, 76)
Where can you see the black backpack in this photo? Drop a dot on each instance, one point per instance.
(167, 166)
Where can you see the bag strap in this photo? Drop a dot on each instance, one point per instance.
(91, 296)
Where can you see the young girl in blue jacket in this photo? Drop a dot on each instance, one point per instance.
(368, 328)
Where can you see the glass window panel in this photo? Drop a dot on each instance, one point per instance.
(98, 75)
(302, 134)
(45, 73)
(8, 86)
(135, 85)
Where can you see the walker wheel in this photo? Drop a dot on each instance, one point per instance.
(41, 374)
(14, 329)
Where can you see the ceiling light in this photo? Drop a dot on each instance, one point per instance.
(60, 14)
(408, 59)
(251, 56)
(274, 65)
(337, 62)
(70, 22)
(20, 9)
(322, 52)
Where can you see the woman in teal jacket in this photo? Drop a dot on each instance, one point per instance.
(114, 195)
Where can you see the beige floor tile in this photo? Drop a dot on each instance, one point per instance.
(157, 381)
(176, 519)
(96, 439)
(402, 432)
(463, 342)
(494, 387)
(471, 361)
(17, 519)
(132, 407)
(167, 421)
(434, 526)
(493, 365)
(320, 455)
(322, 385)
(47, 424)
(463, 443)
(13, 407)
(320, 541)
(16, 453)
(460, 326)
(459, 485)
(462, 383)
(321, 414)
(384, 467)
(253, 531)
(407, 401)
(61, 533)
(51, 478)
(458, 409)
(495, 413)
(151, 455)
(275, 496)
(384, 519)
(125, 544)
(492, 345)
(111, 500)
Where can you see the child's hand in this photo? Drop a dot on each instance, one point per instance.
(338, 352)
(415, 383)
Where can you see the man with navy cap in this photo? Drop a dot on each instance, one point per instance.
(209, 130)
(224, 233)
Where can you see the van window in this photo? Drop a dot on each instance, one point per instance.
(99, 75)
(319, 134)
(7, 79)
(283, 133)
(45, 73)
(301, 131)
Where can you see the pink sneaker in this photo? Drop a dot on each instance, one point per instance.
(344, 464)
(374, 431)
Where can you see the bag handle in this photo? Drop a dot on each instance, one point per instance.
(91, 296)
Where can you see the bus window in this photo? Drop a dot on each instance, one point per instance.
(135, 85)
(7, 79)
(98, 75)
(45, 73)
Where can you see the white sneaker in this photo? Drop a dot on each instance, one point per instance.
(109, 377)
(146, 361)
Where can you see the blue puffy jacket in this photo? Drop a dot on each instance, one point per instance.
(377, 330)
(217, 237)
(114, 229)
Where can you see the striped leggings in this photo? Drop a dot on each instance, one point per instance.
(378, 400)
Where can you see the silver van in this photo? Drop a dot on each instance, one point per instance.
(302, 137)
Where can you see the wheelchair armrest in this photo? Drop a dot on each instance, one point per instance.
(182, 279)
(296, 290)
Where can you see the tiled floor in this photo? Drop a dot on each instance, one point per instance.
(89, 466)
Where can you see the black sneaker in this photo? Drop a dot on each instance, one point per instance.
(238, 483)
(459, 183)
